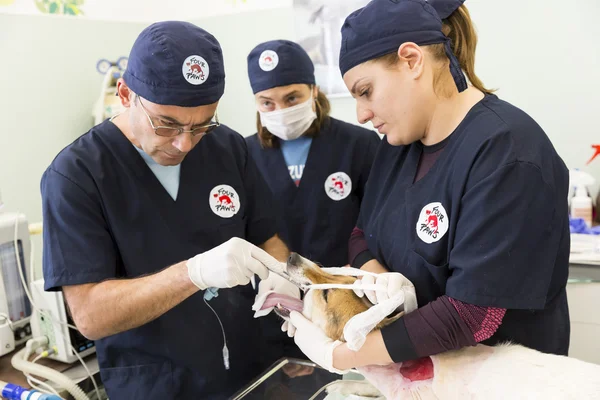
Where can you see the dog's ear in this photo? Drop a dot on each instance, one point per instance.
(388, 320)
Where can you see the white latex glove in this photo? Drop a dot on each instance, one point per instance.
(394, 283)
(288, 328)
(273, 284)
(230, 264)
(314, 343)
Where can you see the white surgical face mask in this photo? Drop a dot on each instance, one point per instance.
(289, 123)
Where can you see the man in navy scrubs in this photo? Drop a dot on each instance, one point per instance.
(147, 211)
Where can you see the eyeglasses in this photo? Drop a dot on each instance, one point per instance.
(169, 131)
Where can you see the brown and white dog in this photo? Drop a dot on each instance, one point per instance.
(506, 371)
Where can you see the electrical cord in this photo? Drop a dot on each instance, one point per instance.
(34, 306)
(8, 321)
(34, 382)
(24, 283)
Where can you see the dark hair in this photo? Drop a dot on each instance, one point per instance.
(322, 106)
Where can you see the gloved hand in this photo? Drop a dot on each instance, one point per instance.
(314, 343)
(277, 284)
(394, 283)
(230, 264)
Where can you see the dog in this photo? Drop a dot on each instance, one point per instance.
(504, 371)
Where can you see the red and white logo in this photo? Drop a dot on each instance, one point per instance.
(433, 223)
(224, 201)
(338, 186)
(195, 70)
(268, 60)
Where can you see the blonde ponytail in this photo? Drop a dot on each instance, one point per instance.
(459, 28)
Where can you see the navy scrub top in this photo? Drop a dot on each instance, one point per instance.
(316, 218)
(107, 216)
(488, 225)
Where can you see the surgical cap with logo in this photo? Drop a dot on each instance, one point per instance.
(382, 26)
(176, 63)
(279, 63)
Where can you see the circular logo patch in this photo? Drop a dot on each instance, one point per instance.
(433, 223)
(268, 60)
(195, 70)
(224, 201)
(338, 186)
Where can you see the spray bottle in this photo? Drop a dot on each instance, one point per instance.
(581, 203)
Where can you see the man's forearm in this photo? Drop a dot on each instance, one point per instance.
(276, 248)
(114, 306)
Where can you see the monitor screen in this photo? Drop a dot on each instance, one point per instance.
(19, 306)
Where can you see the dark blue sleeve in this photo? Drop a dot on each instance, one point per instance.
(507, 238)
(77, 245)
(371, 145)
(262, 223)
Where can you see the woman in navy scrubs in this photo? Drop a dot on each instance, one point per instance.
(316, 166)
(467, 197)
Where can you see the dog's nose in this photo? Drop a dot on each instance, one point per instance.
(293, 259)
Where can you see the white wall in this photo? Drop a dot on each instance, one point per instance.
(542, 55)
(151, 10)
(238, 35)
(48, 85)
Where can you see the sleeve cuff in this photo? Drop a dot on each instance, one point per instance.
(398, 343)
(362, 259)
(54, 283)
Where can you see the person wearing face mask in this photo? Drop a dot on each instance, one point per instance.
(467, 197)
(316, 166)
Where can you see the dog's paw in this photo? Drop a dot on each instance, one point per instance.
(361, 389)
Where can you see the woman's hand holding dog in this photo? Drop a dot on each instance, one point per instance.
(394, 284)
(314, 343)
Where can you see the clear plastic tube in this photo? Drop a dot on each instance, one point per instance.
(18, 362)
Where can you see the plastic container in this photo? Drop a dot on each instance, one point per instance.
(581, 205)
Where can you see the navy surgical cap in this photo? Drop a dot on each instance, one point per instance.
(279, 63)
(176, 63)
(382, 26)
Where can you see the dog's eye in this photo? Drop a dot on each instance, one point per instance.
(325, 292)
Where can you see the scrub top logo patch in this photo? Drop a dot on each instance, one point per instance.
(195, 70)
(268, 60)
(224, 201)
(433, 223)
(338, 186)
